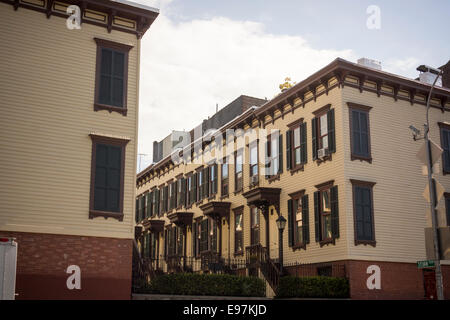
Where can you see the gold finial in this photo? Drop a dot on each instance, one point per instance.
(286, 85)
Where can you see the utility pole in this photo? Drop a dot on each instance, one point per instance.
(432, 190)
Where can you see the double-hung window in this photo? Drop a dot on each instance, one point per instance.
(296, 148)
(298, 220)
(323, 133)
(107, 177)
(253, 150)
(238, 170)
(224, 182)
(359, 132)
(326, 213)
(363, 212)
(111, 76)
(238, 232)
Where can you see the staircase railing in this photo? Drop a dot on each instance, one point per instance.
(257, 257)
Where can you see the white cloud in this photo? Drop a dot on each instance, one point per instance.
(406, 66)
(188, 67)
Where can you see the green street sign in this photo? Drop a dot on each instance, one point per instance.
(425, 264)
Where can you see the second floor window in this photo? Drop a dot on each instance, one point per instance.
(359, 132)
(445, 144)
(323, 133)
(181, 192)
(212, 179)
(253, 150)
(238, 175)
(111, 76)
(224, 182)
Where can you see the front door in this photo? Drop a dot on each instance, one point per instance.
(429, 283)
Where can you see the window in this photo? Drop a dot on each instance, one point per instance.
(447, 207)
(172, 195)
(445, 144)
(181, 192)
(107, 177)
(363, 212)
(238, 161)
(253, 150)
(298, 220)
(136, 216)
(199, 185)
(191, 189)
(213, 179)
(254, 225)
(164, 199)
(359, 132)
(224, 184)
(149, 204)
(213, 234)
(323, 133)
(203, 235)
(111, 76)
(238, 232)
(296, 148)
(155, 203)
(326, 213)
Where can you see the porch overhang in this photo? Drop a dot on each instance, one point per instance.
(216, 209)
(181, 219)
(263, 198)
(155, 226)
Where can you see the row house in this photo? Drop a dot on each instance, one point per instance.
(331, 158)
(69, 86)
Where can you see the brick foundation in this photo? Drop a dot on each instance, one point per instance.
(398, 280)
(43, 259)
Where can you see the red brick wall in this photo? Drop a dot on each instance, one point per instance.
(398, 280)
(43, 259)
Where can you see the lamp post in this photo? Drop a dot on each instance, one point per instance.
(433, 204)
(281, 224)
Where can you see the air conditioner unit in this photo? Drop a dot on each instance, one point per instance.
(254, 179)
(322, 153)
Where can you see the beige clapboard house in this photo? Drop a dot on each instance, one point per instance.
(68, 132)
(333, 155)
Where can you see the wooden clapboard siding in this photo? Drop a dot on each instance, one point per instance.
(47, 82)
(399, 208)
(312, 175)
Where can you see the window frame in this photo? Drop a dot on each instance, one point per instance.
(252, 145)
(362, 109)
(297, 197)
(238, 211)
(224, 181)
(444, 127)
(119, 47)
(239, 152)
(98, 139)
(368, 185)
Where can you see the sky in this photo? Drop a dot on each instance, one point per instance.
(199, 53)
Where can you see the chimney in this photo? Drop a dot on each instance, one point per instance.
(428, 75)
(374, 64)
(446, 75)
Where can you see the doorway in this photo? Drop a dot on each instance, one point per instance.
(429, 284)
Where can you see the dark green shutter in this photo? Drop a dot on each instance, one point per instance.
(280, 153)
(136, 218)
(267, 163)
(157, 202)
(290, 223)
(216, 168)
(314, 138)
(182, 200)
(165, 243)
(317, 215)
(288, 150)
(194, 239)
(303, 144)
(331, 133)
(149, 204)
(445, 146)
(305, 218)
(194, 188)
(206, 182)
(334, 211)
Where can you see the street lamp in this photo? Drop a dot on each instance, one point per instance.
(281, 224)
